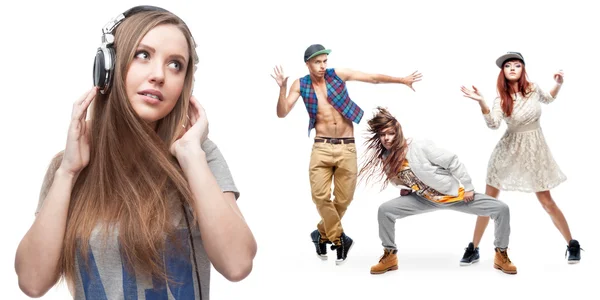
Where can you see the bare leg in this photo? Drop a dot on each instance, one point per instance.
(482, 221)
(555, 213)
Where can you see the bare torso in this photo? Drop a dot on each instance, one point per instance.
(329, 122)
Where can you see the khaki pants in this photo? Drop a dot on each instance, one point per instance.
(338, 162)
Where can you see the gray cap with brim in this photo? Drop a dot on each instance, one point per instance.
(508, 56)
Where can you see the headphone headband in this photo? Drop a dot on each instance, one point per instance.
(108, 29)
(105, 55)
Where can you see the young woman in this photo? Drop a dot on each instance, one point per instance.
(140, 201)
(521, 161)
(435, 180)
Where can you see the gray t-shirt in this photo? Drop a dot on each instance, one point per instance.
(109, 279)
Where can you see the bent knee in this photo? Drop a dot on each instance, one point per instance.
(504, 208)
(384, 210)
(501, 208)
(321, 198)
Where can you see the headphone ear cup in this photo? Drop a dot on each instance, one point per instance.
(103, 68)
(99, 71)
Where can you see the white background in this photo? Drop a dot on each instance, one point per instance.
(47, 50)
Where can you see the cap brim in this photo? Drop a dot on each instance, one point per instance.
(500, 61)
(324, 51)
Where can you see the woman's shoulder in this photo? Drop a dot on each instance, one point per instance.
(533, 87)
(416, 146)
(51, 169)
(213, 153)
(55, 162)
(209, 146)
(419, 142)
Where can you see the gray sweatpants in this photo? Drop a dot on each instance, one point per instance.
(404, 206)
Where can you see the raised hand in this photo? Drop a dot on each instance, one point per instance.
(473, 94)
(412, 78)
(559, 76)
(196, 130)
(77, 151)
(279, 77)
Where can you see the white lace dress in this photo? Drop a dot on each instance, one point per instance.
(522, 161)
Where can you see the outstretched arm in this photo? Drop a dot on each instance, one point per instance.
(285, 103)
(354, 75)
(492, 117)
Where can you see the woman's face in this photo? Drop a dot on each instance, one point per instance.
(512, 70)
(156, 75)
(387, 137)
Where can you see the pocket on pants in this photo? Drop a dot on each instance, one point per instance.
(351, 148)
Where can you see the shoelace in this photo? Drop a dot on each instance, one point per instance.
(572, 249)
(338, 247)
(385, 255)
(468, 252)
(505, 256)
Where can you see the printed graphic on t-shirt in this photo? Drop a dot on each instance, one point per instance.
(178, 267)
(409, 179)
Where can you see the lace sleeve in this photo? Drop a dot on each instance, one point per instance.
(495, 116)
(543, 96)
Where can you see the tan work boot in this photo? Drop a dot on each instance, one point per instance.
(503, 263)
(388, 262)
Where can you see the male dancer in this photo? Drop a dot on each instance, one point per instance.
(331, 113)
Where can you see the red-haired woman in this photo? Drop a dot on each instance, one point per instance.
(521, 161)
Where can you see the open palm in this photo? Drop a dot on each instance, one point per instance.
(279, 77)
(473, 94)
(77, 151)
(416, 76)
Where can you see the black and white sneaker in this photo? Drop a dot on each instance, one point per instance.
(574, 251)
(321, 248)
(471, 255)
(343, 249)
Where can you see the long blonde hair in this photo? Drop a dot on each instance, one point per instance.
(131, 178)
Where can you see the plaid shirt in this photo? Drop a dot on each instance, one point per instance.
(337, 96)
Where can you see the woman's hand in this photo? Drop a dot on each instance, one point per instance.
(196, 131)
(77, 151)
(559, 77)
(473, 94)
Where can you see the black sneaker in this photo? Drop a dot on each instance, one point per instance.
(574, 251)
(320, 247)
(343, 249)
(471, 255)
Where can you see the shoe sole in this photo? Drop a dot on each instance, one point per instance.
(572, 262)
(468, 264)
(392, 268)
(339, 262)
(505, 271)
